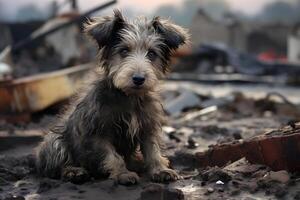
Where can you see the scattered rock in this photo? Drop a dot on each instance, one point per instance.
(191, 143)
(280, 176)
(220, 182)
(174, 136)
(244, 167)
(186, 99)
(168, 129)
(216, 174)
(210, 190)
(237, 136)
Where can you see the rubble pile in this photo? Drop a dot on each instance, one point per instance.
(228, 147)
(217, 62)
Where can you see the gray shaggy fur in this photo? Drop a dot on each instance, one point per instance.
(114, 117)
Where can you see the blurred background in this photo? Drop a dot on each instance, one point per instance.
(238, 78)
(228, 36)
(241, 51)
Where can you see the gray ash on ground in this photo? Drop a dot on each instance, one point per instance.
(235, 180)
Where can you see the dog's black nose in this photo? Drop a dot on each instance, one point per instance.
(138, 80)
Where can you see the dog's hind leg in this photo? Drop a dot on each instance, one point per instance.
(52, 155)
(115, 165)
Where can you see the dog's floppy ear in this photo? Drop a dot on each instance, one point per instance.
(173, 35)
(105, 30)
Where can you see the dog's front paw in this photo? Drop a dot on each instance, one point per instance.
(166, 175)
(127, 178)
(76, 175)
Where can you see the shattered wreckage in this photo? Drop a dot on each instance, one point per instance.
(231, 134)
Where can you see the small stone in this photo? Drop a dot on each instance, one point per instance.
(220, 182)
(237, 136)
(210, 190)
(280, 176)
(216, 174)
(192, 144)
(168, 129)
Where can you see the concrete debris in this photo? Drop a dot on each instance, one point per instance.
(244, 167)
(185, 100)
(234, 150)
(279, 176)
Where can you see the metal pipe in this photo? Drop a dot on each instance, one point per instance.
(32, 38)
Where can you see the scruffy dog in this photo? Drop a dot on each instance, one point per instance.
(121, 112)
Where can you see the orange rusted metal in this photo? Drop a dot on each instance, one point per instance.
(37, 92)
(280, 150)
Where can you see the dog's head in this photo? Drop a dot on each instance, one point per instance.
(135, 54)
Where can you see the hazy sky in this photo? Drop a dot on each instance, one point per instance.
(247, 6)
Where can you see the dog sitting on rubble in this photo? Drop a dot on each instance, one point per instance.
(121, 111)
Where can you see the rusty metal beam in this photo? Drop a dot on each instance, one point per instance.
(37, 92)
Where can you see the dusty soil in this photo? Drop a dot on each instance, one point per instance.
(236, 118)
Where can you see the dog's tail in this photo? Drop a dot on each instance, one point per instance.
(52, 155)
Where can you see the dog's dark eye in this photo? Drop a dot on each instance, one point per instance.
(151, 55)
(124, 52)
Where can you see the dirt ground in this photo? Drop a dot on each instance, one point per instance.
(216, 116)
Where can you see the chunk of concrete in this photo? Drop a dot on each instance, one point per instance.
(186, 99)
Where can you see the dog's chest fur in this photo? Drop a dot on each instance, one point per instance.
(124, 119)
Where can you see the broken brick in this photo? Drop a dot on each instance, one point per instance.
(279, 151)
